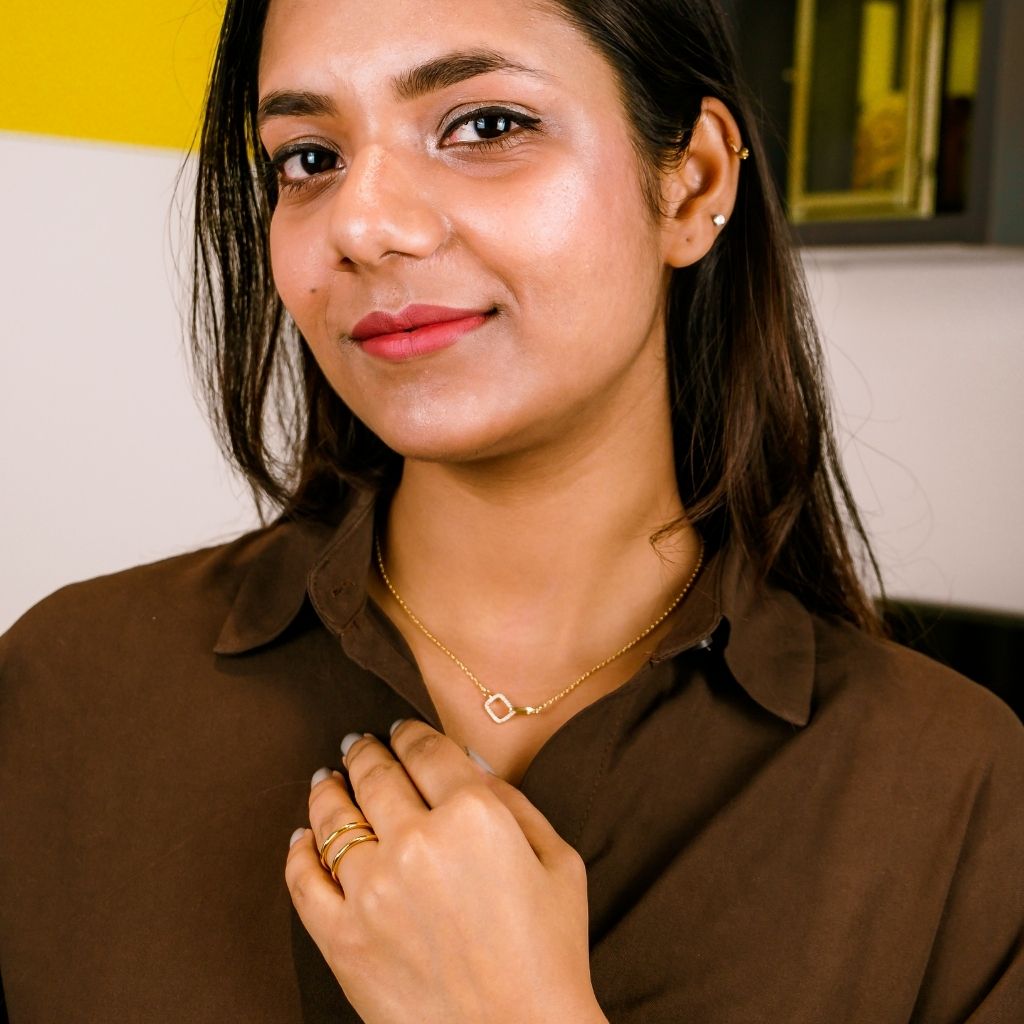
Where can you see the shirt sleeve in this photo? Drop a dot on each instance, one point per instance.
(976, 971)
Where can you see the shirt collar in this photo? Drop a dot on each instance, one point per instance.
(765, 634)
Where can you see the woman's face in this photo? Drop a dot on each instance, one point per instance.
(390, 196)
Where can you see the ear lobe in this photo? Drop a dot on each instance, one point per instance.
(701, 189)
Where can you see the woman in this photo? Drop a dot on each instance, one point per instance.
(557, 490)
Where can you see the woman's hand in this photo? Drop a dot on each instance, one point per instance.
(470, 908)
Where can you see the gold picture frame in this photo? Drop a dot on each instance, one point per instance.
(865, 125)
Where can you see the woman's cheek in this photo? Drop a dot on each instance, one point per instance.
(297, 266)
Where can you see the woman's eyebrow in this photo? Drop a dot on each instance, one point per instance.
(294, 103)
(431, 76)
(452, 68)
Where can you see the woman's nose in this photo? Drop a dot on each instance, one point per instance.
(380, 209)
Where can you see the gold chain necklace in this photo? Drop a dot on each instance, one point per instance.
(492, 698)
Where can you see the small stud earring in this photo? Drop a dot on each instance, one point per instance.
(741, 152)
(718, 220)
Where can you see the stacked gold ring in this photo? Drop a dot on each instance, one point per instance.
(372, 837)
(352, 842)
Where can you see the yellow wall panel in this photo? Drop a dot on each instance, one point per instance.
(118, 70)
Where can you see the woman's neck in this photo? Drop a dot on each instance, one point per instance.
(547, 552)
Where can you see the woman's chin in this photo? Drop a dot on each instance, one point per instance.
(448, 442)
(454, 450)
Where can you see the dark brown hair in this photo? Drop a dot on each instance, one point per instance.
(756, 459)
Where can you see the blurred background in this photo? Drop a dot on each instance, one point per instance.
(895, 132)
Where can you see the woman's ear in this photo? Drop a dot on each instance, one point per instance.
(699, 194)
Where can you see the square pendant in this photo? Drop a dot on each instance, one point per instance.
(508, 704)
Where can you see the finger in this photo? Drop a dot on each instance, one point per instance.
(551, 849)
(382, 786)
(437, 765)
(318, 901)
(331, 808)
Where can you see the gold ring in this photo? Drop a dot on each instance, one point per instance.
(334, 835)
(352, 842)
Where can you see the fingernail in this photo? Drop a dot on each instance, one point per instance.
(296, 836)
(319, 775)
(346, 743)
(480, 761)
(394, 725)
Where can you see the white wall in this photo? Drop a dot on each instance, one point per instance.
(106, 461)
(926, 347)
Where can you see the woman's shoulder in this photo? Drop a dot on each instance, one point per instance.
(209, 570)
(180, 599)
(900, 700)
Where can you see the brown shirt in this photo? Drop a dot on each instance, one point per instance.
(782, 819)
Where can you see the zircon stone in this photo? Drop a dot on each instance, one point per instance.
(508, 704)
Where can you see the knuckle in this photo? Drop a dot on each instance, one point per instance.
(423, 746)
(375, 895)
(473, 800)
(321, 797)
(374, 775)
(359, 748)
(415, 853)
(299, 891)
(315, 799)
(470, 807)
(297, 881)
(338, 817)
(573, 864)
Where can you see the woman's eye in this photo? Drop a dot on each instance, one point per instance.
(486, 128)
(300, 165)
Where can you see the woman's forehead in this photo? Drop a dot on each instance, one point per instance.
(336, 41)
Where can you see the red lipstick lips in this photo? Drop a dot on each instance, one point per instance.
(408, 319)
(414, 331)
